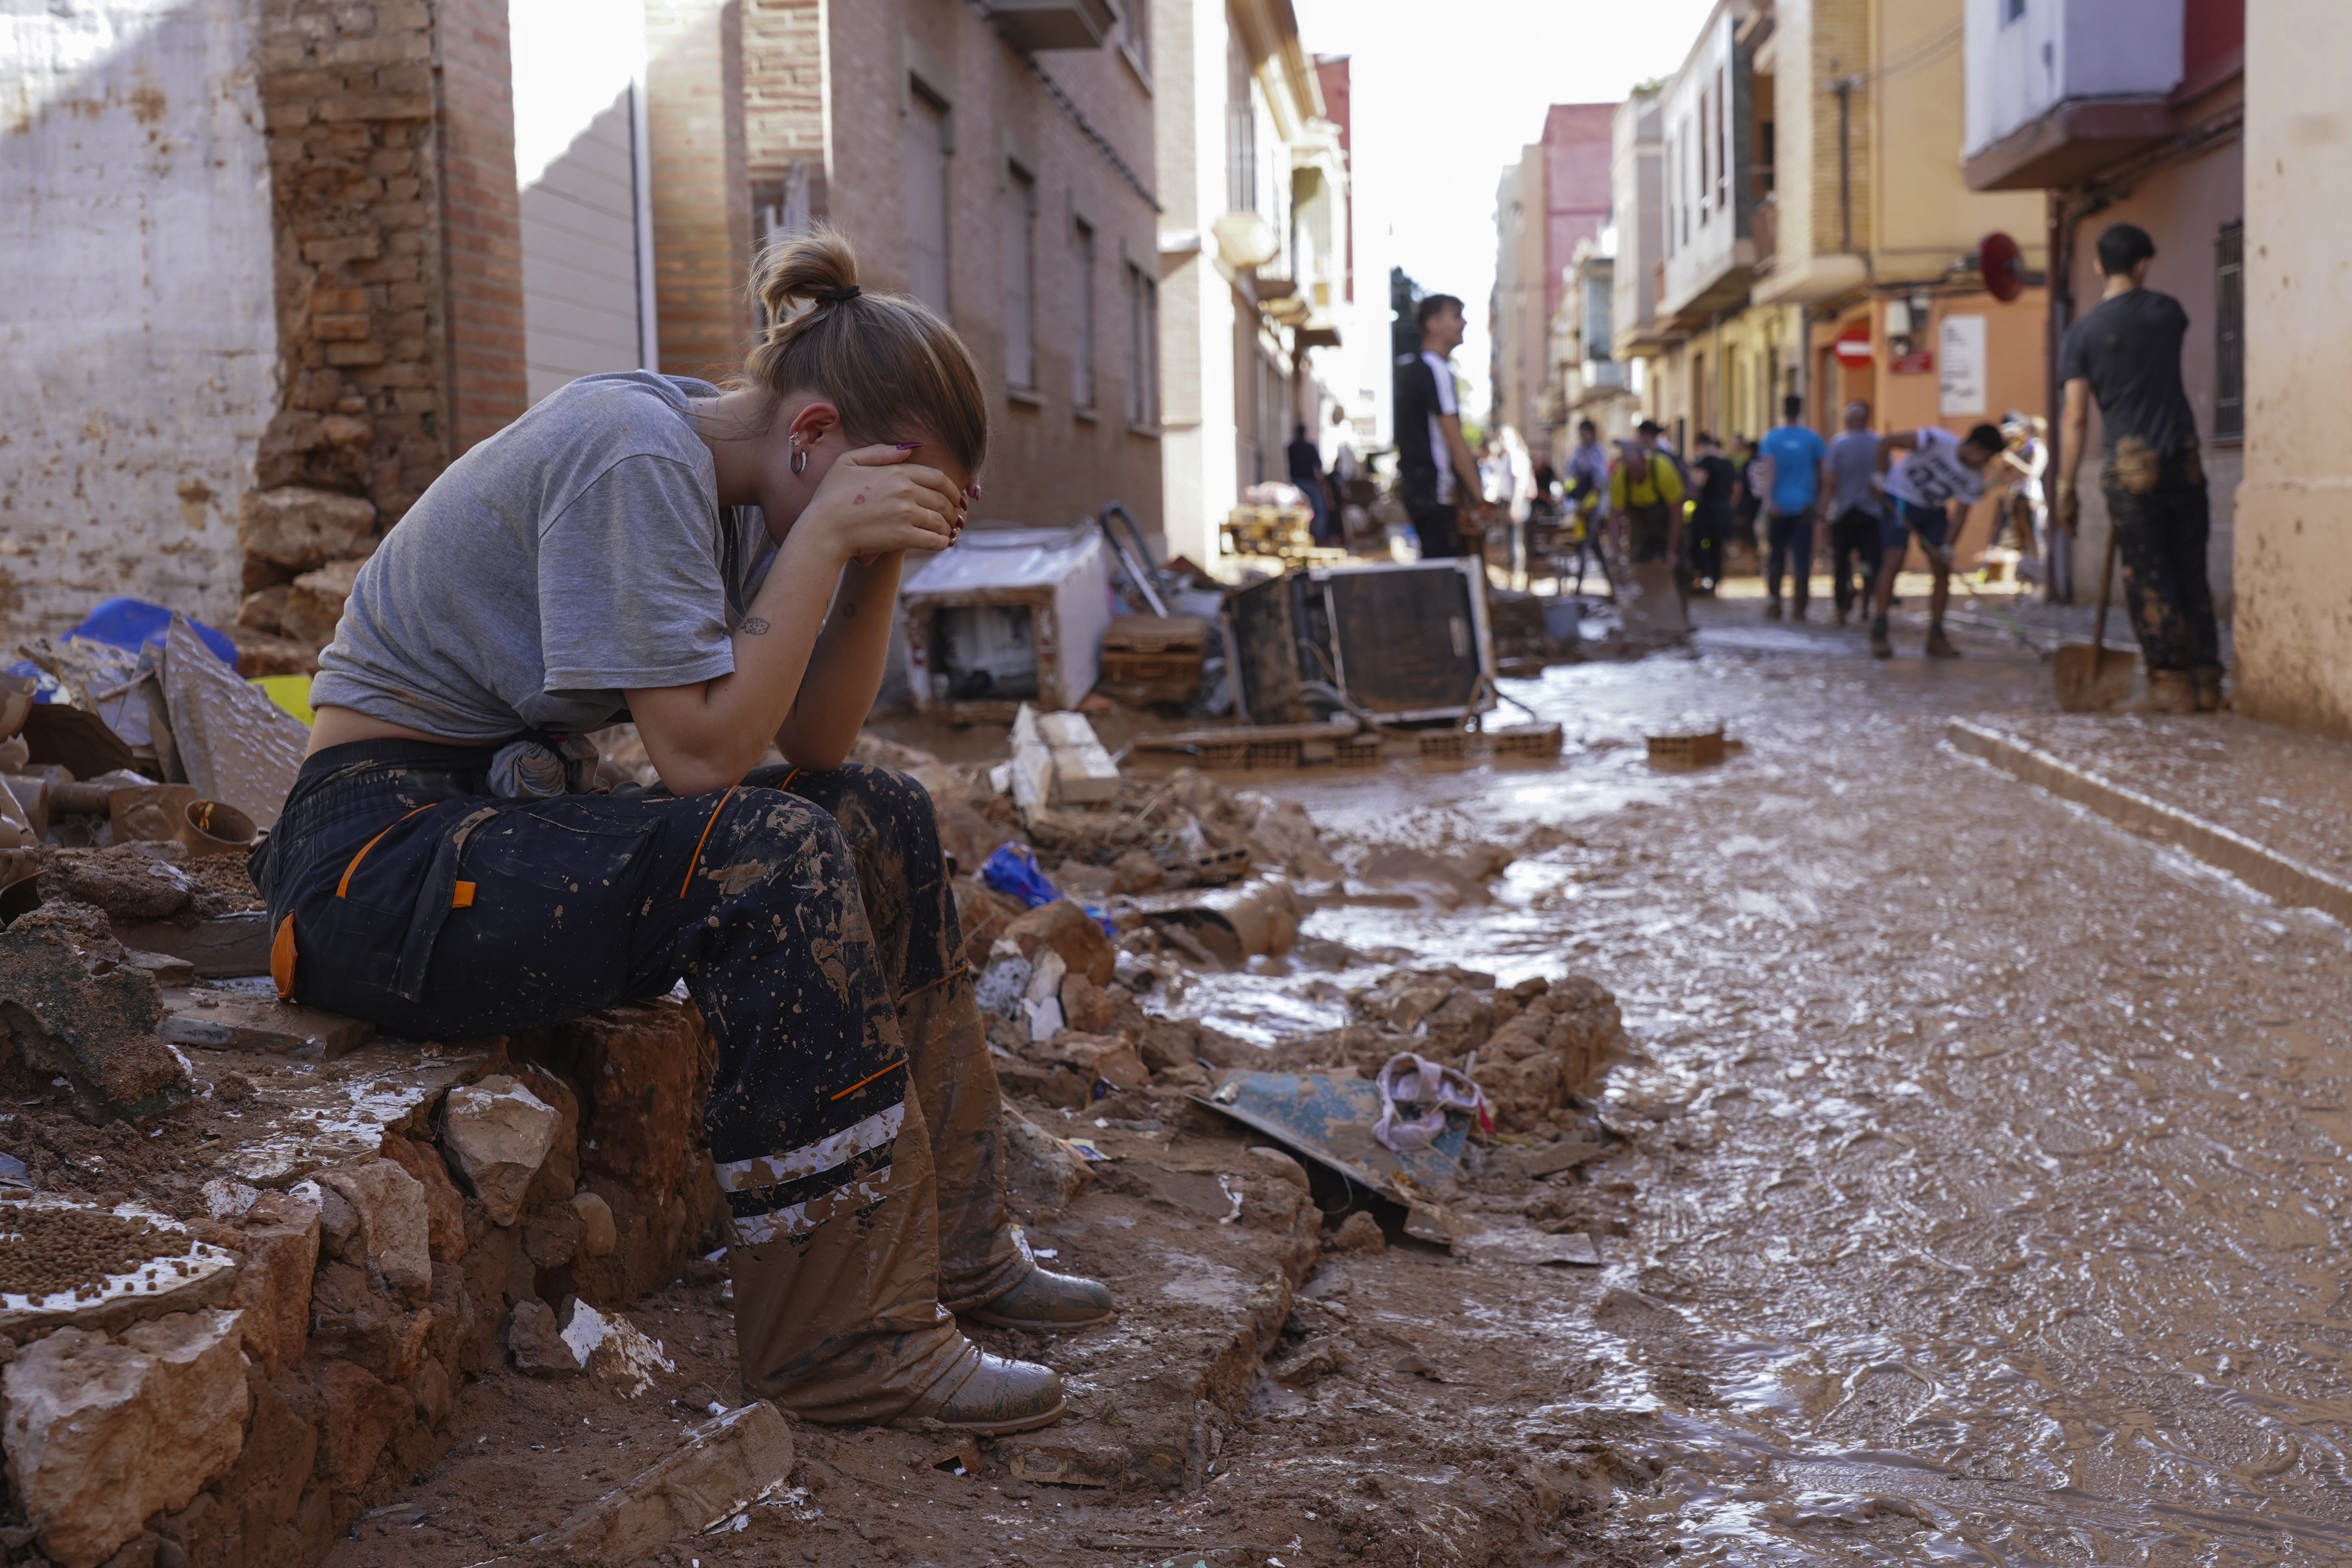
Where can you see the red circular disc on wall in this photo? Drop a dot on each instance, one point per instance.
(2003, 267)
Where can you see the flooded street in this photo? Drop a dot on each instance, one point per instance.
(1983, 1198)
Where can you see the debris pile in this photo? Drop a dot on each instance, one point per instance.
(1529, 1047)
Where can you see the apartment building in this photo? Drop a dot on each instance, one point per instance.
(2130, 111)
(1255, 237)
(1816, 234)
(998, 164)
(1554, 199)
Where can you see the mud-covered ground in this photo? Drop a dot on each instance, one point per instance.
(1978, 1199)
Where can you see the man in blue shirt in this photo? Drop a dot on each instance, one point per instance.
(1796, 476)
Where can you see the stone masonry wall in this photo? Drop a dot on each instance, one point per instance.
(398, 283)
(245, 1418)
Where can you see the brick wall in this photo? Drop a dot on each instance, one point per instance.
(783, 97)
(701, 191)
(481, 222)
(348, 96)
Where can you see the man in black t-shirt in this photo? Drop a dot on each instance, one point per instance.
(1435, 470)
(2125, 353)
(1710, 513)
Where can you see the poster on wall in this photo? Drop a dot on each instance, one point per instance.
(1960, 341)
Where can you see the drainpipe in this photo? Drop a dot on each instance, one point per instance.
(1844, 86)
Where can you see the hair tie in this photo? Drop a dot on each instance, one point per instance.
(839, 295)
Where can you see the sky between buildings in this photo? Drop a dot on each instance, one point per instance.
(1446, 94)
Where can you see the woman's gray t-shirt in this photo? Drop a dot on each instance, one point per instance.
(579, 553)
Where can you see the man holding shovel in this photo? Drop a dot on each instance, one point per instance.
(2126, 354)
(1929, 495)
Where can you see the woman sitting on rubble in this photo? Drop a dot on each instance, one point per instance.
(720, 568)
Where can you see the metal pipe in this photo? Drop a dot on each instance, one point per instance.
(1844, 86)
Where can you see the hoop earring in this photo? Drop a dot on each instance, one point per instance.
(799, 461)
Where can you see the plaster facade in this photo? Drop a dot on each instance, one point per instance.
(2294, 573)
(140, 319)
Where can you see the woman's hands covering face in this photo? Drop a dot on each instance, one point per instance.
(878, 500)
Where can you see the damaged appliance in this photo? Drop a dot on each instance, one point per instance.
(1007, 616)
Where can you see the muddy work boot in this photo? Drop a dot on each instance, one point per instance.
(2169, 691)
(2207, 679)
(994, 1397)
(1939, 646)
(1047, 1303)
(1879, 646)
(1772, 610)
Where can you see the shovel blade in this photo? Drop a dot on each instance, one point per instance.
(2092, 679)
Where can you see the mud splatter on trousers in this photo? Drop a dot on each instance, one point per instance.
(809, 915)
(2160, 510)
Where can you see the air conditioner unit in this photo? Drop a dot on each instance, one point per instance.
(1406, 640)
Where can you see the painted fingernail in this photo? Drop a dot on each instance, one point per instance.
(910, 446)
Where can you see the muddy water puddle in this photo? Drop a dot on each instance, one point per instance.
(1986, 1193)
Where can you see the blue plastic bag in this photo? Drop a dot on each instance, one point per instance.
(1012, 870)
(130, 622)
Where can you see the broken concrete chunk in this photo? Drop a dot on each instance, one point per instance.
(1098, 1058)
(100, 1436)
(315, 602)
(443, 1207)
(279, 1245)
(1069, 930)
(725, 1465)
(228, 1198)
(238, 1021)
(612, 1349)
(298, 528)
(598, 1235)
(94, 1030)
(1057, 1463)
(1039, 1167)
(126, 881)
(396, 1225)
(498, 1133)
(535, 1343)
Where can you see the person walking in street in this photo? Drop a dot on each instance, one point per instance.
(1747, 501)
(1646, 495)
(1710, 517)
(1306, 463)
(1928, 496)
(720, 567)
(1588, 492)
(1436, 471)
(1856, 513)
(1796, 472)
(2125, 355)
(2028, 510)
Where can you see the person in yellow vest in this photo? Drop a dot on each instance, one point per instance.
(1645, 496)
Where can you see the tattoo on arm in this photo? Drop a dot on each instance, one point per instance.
(753, 626)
